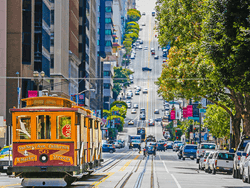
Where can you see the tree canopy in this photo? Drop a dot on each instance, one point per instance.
(133, 15)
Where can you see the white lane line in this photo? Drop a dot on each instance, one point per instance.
(177, 183)
(164, 164)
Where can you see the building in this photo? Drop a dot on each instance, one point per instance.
(108, 73)
(64, 47)
(3, 65)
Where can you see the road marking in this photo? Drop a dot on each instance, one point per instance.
(104, 179)
(164, 164)
(126, 165)
(178, 185)
(10, 185)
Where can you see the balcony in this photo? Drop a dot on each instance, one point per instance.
(108, 93)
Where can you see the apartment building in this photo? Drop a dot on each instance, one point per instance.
(64, 47)
(108, 73)
(3, 65)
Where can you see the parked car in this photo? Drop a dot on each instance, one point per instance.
(137, 92)
(203, 159)
(237, 157)
(156, 111)
(131, 122)
(246, 165)
(133, 111)
(108, 148)
(189, 151)
(129, 105)
(202, 148)
(151, 122)
(156, 57)
(5, 159)
(244, 160)
(222, 161)
(146, 69)
(136, 106)
(206, 163)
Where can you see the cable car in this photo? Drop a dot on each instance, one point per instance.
(54, 142)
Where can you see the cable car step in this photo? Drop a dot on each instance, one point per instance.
(43, 182)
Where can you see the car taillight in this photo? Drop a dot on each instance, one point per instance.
(198, 151)
(246, 155)
(144, 149)
(204, 160)
(215, 162)
(238, 158)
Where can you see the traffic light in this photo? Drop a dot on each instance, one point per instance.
(176, 131)
(177, 138)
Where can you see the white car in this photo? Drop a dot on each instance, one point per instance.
(156, 111)
(222, 161)
(145, 90)
(133, 111)
(145, 48)
(203, 159)
(135, 105)
(202, 148)
(143, 24)
(207, 166)
(131, 122)
(140, 47)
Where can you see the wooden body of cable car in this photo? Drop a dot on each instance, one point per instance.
(54, 142)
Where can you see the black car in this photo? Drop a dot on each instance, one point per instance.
(146, 69)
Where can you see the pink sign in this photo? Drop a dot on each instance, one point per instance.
(190, 111)
(172, 114)
(185, 112)
(32, 93)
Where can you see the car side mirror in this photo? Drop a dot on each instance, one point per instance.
(231, 151)
(238, 154)
(244, 154)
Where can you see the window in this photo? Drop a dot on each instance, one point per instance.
(108, 20)
(63, 127)
(96, 124)
(108, 9)
(23, 127)
(52, 62)
(52, 17)
(43, 127)
(108, 43)
(108, 32)
(106, 73)
(52, 84)
(106, 86)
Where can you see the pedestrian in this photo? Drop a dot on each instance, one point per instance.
(139, 147)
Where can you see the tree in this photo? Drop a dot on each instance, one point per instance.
(132, 25)
(119, 102)
(189, 72)
(133, 15)
(217, 121)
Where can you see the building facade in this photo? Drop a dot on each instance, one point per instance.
(3, 65)
(108, 73)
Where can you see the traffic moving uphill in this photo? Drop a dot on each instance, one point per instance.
(55, 142)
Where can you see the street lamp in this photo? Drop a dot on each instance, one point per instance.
(83, 92)
(36, 79)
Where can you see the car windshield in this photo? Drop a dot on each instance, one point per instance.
(191, 147)
(226, 156)
(243, 145)
(207, 146)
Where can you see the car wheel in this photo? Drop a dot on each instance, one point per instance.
(111, 151)
(197, 161)
(234, 173)
(179, 157)
(199, 166)
(183, 158)
(209, 171)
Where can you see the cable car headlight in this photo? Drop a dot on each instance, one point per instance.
(43, 158)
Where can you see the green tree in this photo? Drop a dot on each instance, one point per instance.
(119, 102)
(217, 121)
(133, 15)
(132, 25)
(190, 72)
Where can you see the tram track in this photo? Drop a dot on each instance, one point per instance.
(119, 160)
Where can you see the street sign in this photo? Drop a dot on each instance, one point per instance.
(202, 110)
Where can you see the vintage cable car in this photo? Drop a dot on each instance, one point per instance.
(54, 142)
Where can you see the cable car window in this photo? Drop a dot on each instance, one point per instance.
(63, 127)
(23, 127)
(43, 127)
(96, 124)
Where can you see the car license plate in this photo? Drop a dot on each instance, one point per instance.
(5, 167)
(191, 156)
(227, 168)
